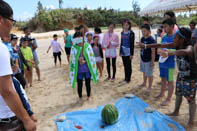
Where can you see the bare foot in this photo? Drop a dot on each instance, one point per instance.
(80, 101)
(148, 91)
(189, 127)
(142, 85)
(30, 85)
(173, 114)
(165, 103)
(159, 96)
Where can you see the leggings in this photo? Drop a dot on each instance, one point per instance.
(21, 79)
(80, 85)
(108, 60)
(57, 55)
(127, 67)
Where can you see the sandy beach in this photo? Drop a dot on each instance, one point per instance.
(54, 95)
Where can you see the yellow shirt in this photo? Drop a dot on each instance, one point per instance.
(28, 55)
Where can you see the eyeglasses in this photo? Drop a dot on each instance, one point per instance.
(13, 21)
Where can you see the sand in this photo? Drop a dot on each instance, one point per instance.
(54, 95)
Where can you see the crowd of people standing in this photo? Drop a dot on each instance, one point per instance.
(86, 52)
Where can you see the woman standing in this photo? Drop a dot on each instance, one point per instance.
(127, 48)
(68, 43)
(110, 44)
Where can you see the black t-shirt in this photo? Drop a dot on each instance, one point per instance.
(146, 53)
(187, 67)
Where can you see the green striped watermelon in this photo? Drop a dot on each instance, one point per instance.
(109, 114)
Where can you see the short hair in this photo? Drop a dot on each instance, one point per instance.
(78, 34)
(128, 22)
(169, 22)
(55, 35)
(96, 36)
(98, 30)
(146, 26)
(5, 9)
(111, 23)
(170, 13)
(192, 22)
(145, 19)
(89, 33)
(25, 28)
(77, 28)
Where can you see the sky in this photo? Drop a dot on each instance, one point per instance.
(25, 9)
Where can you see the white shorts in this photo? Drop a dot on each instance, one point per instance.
(98, 59)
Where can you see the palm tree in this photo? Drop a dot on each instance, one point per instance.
(60, 3)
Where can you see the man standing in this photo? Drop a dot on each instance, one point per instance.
(33, 45)
(194, 31)
(10, 104)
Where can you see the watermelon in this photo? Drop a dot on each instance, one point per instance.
(109, 114)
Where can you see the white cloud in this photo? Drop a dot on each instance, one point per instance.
(24, 16)
(51, 7)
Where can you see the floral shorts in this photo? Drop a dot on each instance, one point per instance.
(186, 88)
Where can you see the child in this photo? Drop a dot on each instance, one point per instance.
(98, 53)
(186, 84)
(68, 43)
(110, 44)
(98, 31)
(20, 60)
(192, 25)
(82, 65)
(27, 53)
(147, 57)
(89, 37)
(167, 65)
(56, 49)
(127, 49)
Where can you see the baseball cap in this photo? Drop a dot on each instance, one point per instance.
(65, 30)
(13, 36)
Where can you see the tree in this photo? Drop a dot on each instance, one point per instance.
(136, 8)
(40, 6)
(60, 3)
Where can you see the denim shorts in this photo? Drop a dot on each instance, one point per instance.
(146, 68)
(85, 75)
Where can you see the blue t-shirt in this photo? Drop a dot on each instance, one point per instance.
(170, 62)
(146, 54)
(125, 47)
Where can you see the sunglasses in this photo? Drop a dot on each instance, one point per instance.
(13, 21)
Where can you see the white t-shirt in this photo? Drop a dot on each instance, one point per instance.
(56, 46)
(5, 69)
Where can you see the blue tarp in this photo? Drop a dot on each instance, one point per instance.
(131, 118)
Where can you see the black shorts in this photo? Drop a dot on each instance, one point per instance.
(57, 54)
(67, 50)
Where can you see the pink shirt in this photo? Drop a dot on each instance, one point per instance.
(114, 39)
(56, 46)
